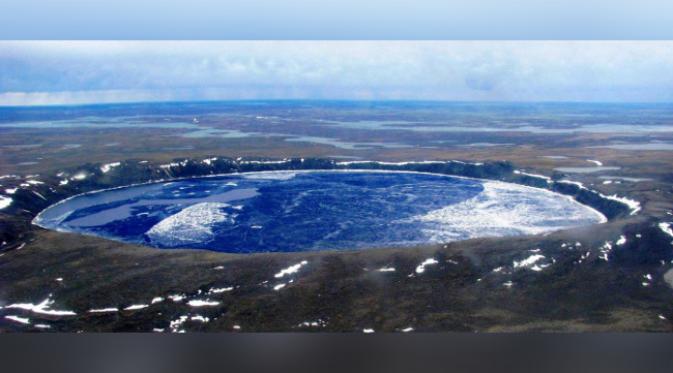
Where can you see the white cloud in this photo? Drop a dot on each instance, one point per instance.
(72, 72)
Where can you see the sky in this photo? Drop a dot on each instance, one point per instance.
(84, 72)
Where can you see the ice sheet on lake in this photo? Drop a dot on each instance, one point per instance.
(506, 209)
(192, 225)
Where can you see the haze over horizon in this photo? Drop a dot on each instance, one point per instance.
(91, 72)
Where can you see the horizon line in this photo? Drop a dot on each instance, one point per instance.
(122, 103)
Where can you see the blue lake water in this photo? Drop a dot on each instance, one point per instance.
(303, 211)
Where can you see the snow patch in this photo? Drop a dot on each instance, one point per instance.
(108, 166)
(543, 177)
(202, 303)
(79, 176)
(209, 161)
(103, 310)
(43, 308)
(20, 320)
(632, 204)
(605, 250)
(5, 202)
(597, 163)
(317, 323)
(135, 307)
(176, 297)
(621, 240)
(666, 228)
(200, 318)
(291, 269)
(176, 324)
(220, 290)
(421, 267)
(528, 262)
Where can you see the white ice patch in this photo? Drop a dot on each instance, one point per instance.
(190, 226)
(621, 241)
(279, 286)
(368, 330)
(43, 308)
(504, 209)
(290, 270)
(386, 269)
(5, 202)
(421, 267)
(108, 166)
